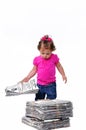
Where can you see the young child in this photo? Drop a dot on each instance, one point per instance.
(44, 65)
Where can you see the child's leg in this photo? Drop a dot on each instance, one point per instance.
(40, 94)
(51, 91)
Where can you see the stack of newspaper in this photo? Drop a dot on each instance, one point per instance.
(48, 114)
(22, 88)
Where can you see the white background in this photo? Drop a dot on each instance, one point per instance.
(22, 24)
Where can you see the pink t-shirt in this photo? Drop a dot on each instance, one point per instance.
(46, 69)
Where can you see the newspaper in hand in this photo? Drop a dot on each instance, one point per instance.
(22, 88)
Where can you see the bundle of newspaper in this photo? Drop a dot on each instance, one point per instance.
(48, 114)
(46, 124)
(22, 88)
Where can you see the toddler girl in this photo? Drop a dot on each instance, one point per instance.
(45, 66)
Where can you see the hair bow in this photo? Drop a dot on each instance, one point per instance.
(46, 38)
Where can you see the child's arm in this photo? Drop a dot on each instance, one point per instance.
(30, 75)
(61, 70)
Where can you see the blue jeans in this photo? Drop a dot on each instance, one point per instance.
(48, 91)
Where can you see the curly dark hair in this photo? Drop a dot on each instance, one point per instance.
(47, 42)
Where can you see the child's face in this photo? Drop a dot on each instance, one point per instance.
(45, 53)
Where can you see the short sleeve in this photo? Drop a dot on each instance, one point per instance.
(56, 59)
(35, 61)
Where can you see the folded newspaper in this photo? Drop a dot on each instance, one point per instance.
(49, 109)
(46, 124)
(48, 114)
(22, 88)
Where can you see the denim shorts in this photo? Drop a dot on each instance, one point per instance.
(46, 91)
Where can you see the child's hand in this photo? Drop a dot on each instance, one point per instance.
(24, 80)
(64, 79)
(20, 82)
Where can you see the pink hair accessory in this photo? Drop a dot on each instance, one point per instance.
(46, 38)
